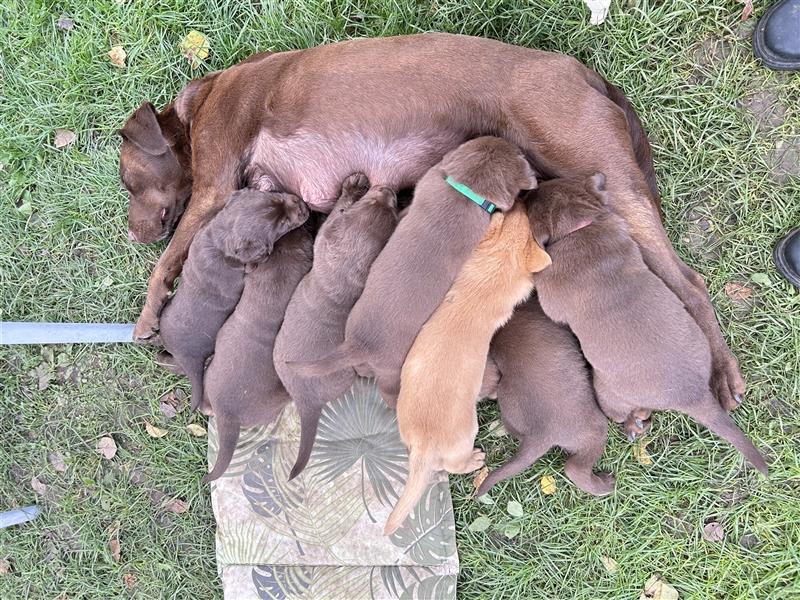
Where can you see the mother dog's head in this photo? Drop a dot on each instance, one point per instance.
(155, 163)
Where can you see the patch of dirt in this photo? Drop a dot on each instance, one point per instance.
(678, 527)
(749, 541)
(711, 53)
(765, 109)
(700, 237)
(784, 160)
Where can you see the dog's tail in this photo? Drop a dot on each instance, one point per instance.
(343, 356)
(720, 422)
(639, 141)
(527, 454)
(228, 434)
(309, 419)
(420, 474)
(195, 375)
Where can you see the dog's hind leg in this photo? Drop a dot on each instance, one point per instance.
(529, 452)
(579, 467)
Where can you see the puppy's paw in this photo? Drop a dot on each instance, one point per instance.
(603, 484)
(637, 424)
(355, 185)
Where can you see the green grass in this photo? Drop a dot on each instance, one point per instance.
(686, 66)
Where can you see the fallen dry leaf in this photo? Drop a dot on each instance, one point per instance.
(113, 545)
(64, 137)
(153, 431)
(39, 487)
(548, 484)
(481, 523)
(65, 23)
(747, 10)
(480, 477)
(737, 291)
(658, 589)
(195, 47)
(713, 532)
(107, 447)
(57, 460)
(514, 508)
(610, 564)
(196, 430)
(640, 452)
(496, 429)
(5, 566)
(129, 579)
(175, 505)
(117, 55)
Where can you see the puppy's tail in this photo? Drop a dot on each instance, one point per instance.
(195, 375)
(721, 423)
(420, 474)
(228, 434)
(309, 419)
(343, 356)
(529, 452)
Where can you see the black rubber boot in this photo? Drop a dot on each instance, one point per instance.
(787, 257)
(776, 39)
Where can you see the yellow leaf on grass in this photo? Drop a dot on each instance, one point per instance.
(117, 55)
(658, 589)
(641, 454)
(196, 430)
(195, 47)
(153, 431)
(610, 564)
(480, 477)
(548, 484)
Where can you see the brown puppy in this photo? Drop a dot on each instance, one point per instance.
(244, 232)
(410, 278)
(444, 369)
(241, 384)
(347, 244)
(645, 349)
(546, 399)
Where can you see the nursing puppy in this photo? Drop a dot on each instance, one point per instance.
(241, 385)
(546, 399)
(410, 278)
(347, 244)
(646, 351)
(443, 372)
(242, 233)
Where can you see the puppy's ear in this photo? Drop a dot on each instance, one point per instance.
(142, 130)
(531, 180)
(191, 98)
(536, 259)
(596, 186)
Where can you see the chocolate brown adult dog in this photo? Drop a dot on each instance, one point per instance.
(645, 349)
(241, 384)
(412, 274)
(347, 244)
(443, 372)
(300, 121)
(546, 399)
(244, 232)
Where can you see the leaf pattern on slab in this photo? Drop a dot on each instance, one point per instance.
(305, 510)
(282, 582)
(360, 427)
(294, 582)
(435, 587)
(393, 581)
(428, 535)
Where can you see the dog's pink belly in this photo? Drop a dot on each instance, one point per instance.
(313, 165)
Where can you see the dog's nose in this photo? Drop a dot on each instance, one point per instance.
(132, 236)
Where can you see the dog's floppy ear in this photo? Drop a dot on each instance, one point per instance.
(142, 130)
(536, 259)
(596, 186)
(191, 98)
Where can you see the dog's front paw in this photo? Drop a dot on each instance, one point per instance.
(146, 329)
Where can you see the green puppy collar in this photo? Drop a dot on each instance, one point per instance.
(465, 190)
